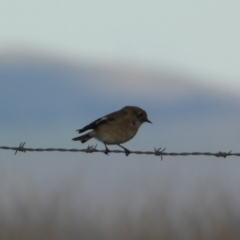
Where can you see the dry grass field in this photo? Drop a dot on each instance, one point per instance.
(59, 218)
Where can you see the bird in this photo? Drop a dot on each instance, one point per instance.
(115, 128)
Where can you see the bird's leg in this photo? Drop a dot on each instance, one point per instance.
(106, 150)
(127, 152)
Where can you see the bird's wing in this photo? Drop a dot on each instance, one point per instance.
(110, 118)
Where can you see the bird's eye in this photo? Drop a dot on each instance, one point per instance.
(140, 114)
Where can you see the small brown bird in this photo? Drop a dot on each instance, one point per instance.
(115, 128)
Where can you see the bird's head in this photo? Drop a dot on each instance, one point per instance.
(139, 113)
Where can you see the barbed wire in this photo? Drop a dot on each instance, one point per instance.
(93, 149)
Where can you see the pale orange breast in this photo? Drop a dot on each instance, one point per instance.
(117, 132)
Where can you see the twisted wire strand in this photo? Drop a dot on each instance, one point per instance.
(92, 149)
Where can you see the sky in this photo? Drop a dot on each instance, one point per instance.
(200, 37)
(80, 60)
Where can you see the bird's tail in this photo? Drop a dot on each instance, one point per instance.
(84, 138)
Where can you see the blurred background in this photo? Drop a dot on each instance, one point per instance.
(65, 63)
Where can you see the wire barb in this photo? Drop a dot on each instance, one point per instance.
(159, 152)
(223, 154)
(91, 148)
(20, 148)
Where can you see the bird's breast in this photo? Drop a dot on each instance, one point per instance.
(116, 133)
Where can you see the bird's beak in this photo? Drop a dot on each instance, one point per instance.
(148, 121)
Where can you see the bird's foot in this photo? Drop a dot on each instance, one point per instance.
(127, 152)
(106, 150)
